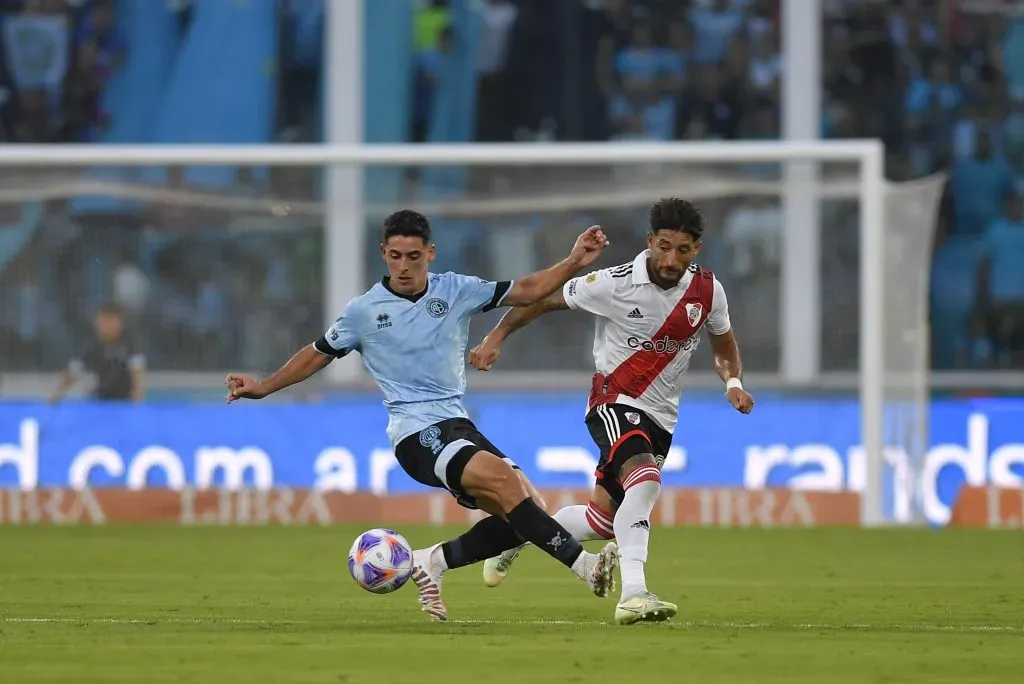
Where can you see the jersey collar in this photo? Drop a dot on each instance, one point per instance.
(386, 282)
(640, 275)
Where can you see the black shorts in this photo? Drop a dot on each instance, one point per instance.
(621, 432)
(437, 455)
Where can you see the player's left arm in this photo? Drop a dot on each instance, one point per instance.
(532, 288)
(728, 363)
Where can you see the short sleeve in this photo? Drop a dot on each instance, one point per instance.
(341, 338)
(718, 322)
(592, 293)
(136, 359)
(476, 295)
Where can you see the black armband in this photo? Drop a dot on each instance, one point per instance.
(325, 348)
(500, 290)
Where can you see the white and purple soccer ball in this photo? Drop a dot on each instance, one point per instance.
(380, 561)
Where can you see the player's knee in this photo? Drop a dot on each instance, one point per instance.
(532, 492)
(493, 478)
(508, 489)
(641, 469)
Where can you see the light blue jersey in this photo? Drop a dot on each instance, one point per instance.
(415, 347)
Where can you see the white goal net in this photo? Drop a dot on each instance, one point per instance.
(233, 257)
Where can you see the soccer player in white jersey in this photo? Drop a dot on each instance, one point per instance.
(650, 313)
(412, 330)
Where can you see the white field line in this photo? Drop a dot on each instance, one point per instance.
(688, 625)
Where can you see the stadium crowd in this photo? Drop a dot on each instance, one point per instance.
(940, 81)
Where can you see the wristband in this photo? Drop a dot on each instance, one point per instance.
(733, 383)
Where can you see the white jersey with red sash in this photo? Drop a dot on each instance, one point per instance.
(645, 335)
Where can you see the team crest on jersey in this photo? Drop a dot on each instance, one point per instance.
(693, 312)
(437, 307)
(591, 278)
(633, 418)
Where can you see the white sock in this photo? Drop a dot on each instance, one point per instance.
(574, 520)
(435, 556)
(633, 526)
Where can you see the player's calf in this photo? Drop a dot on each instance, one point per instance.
(641, 483)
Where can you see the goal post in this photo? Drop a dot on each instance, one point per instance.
(345, 208)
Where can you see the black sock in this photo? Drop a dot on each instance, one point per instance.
(486, 539)
(536, 526)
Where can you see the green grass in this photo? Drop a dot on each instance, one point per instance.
(170, 604)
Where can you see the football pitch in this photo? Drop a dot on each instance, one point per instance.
(228, 604)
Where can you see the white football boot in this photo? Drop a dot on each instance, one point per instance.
(495, 569)
(427, 577)
(645, 607)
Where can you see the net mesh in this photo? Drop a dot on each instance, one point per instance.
(222, 267)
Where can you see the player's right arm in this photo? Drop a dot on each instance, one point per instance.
(339, 340)
(591, 293)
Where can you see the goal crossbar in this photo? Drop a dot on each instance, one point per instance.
(500, 154)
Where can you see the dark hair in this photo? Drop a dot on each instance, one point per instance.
(677, 214)
(407, 223)
(110, 309)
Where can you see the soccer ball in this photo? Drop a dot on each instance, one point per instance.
(380, 561)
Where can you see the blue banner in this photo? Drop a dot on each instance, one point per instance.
(806, 444)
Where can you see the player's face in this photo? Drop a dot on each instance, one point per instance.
(672, 252)
(408, 259)
(108, 326)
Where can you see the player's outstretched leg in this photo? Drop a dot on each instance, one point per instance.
(641, 482)
(583, 522)
(490, 479)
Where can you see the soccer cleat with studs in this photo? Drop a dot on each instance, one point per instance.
(428, 581)
(496, 569)
(645, 607)
(600, 575)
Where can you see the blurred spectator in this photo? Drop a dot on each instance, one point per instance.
(302, 46)
(676, 56)
(1011, 52)
(433, 62)
(979, 185)
(712, 104)
(493, 97)
(1001, 280)
(117, 364)
(99, 29)
(84, 119)
(715, 24)
(1013, 133)
(431, 20)
(36, 51)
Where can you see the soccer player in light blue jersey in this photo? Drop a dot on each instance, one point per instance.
(412, 330)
